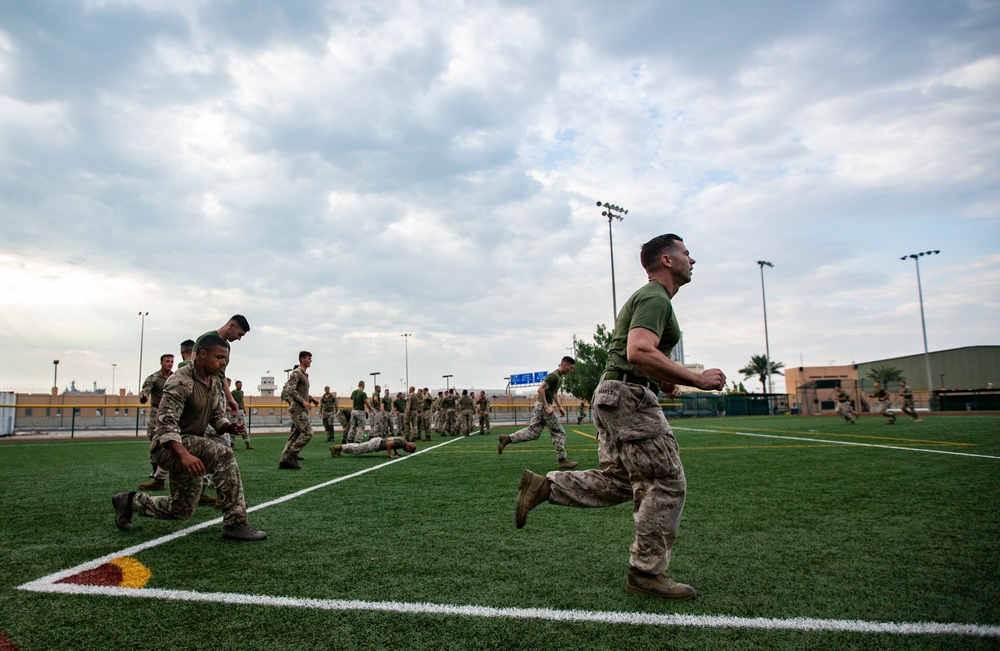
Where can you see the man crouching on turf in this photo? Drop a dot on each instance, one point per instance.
(375, 444)
(191, 401)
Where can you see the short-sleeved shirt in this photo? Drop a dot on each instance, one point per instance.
(841, 396)
(398, 443)
(399, 404)
(238, 397)
(906, 394)
(387, 403)
(649, 308)
(551, 384)
(358, 398)
(881, 394)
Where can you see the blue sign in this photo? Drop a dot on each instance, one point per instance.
(525, 379)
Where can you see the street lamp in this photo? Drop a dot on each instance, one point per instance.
(142, 335)
(113, 367)
(55, 376)
(612, 212)
(446, 387)
(406, 348)
(375, 378)
(767, 343)
(920, 292)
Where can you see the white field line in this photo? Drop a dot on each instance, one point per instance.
(549, 614)
(49, 584)
(135, 549)
(863, 445)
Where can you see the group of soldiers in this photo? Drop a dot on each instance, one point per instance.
(412, 416)
(883, 401)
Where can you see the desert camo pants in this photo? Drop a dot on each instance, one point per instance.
(844, 410)
(484, 422)
(424, 425)
(540, 419)
(374, 444)
(159, 473)
(464, 422)
(185, 488)
(329, 421)
(883, 408)
(450, 426)
(356, 431)
(639, 462)
(301, 433)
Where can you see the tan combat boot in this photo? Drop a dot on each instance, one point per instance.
(504, 442)
(657, 585)
(532, 491)
(153, 485)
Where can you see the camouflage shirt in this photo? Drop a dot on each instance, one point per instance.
(188, 407)
(153, 387)
(412, 403)
(465, 403)
(483, 404)
(328, 404)
(296, 388)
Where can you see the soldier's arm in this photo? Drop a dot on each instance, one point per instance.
(641, 352)
(219, 420)
(147, 388)
(168, 429)
(290, 392)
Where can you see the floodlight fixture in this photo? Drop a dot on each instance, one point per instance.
(612, 212)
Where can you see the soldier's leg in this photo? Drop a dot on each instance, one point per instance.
(185, 489)
(302, 434)
(558, 434)
(607, 486)
(220, 463)
(534, 428)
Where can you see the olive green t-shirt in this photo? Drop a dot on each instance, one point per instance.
(649, 308)
(358, 398)
(551, 382)
(238, 397)
(399, 404)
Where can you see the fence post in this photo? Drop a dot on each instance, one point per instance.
(72, 423)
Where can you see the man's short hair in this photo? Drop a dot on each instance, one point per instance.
(567, 360)
(187, 345)
(651, 251)
(239, 381)
(210, 342)
(241, 321)
(164, 356)
(304, 353)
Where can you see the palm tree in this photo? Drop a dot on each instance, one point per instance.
(762, 368)
(885, 374)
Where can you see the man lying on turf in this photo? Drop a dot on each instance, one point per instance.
(392, 446)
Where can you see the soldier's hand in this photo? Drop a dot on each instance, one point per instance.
(143, 399)
(192, 464)
(671, 389)
(307, 405)
(712, 380)
(232, 404)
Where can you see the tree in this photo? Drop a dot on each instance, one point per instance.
(885, 374)
(590, 362)
(762, 368)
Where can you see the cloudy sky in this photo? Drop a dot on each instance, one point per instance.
(344, 172)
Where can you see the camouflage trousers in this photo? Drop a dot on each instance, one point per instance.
(241, 419)
(185, 488)
(484, 422)
(411, 424)
(450, 424)
(844, 410)
(908, 409)
(159, 473)
(379, 423)
(883, 408)
(371, 445)
(301, 433)
(356, 430)
(401, 424)
(424, 425)
(329, 422)
(540, 419)
(464, 422)
(639, 462)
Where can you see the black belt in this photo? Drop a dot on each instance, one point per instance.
(631, 379)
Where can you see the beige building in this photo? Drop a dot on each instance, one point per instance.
(810, 388)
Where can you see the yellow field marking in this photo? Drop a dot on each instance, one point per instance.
(845, 435)
(589, 436)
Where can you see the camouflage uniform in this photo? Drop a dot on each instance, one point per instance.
(241, 415)
(906, 393)
(374, 444)
(412, 419)
(883, 401)
(483, 406)
(581, 412)
(186, 410)
(388, 426)
(426, 411)
(153, 387)
(541, 419)
(328, 408)
(399, 405)
(450, 425)
(296, 389)
(638, 455)
(466, 407)
(844, 405)
(344, 418)
(356, 430)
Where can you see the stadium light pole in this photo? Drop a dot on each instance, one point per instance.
(767, 342)
(923, 325)
(375, 378)
(142, 336)
(612, 212)
(406, 349)
(446, 377)
(55, 376)
(113, 367)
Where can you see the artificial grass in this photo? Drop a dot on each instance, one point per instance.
(772, 528)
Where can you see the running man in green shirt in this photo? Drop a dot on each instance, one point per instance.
(543, 414)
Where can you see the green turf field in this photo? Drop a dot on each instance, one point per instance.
(792, 524)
